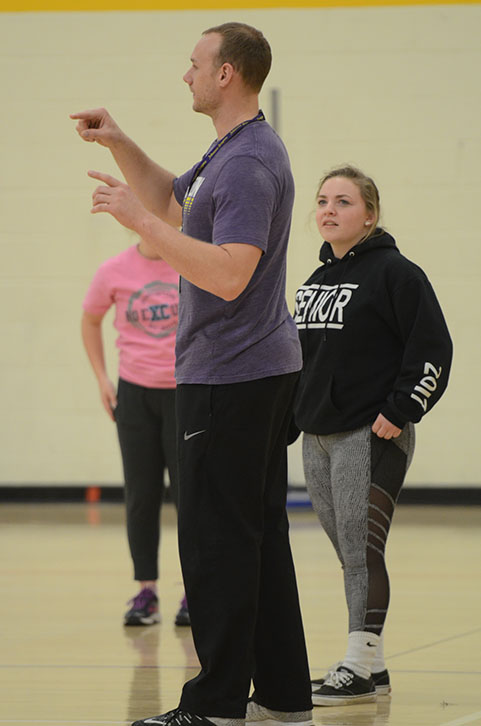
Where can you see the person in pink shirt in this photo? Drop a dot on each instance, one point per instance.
(144, 290)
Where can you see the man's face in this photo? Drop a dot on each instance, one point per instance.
(202, 76)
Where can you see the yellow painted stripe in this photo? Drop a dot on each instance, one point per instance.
(139, 5)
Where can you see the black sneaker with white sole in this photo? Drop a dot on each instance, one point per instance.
(343, 687)
(177, 717)
(381, 681)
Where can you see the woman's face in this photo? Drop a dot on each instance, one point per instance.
(342, 216)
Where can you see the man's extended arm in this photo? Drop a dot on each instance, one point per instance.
(151, 183)
(224, 270)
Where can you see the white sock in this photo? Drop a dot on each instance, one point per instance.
(378, 663)
(226, 721)
(361, 649)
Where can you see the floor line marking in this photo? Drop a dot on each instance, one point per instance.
(431, 645)
(466, 719)
(97, 667)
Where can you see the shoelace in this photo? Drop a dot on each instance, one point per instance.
(179, 717)
(332, 669)
(338, 679)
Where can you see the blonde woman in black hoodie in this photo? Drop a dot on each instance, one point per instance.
(377, 355)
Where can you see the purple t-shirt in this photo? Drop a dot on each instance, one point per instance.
(243, 195)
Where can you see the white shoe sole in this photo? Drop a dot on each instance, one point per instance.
(343, 700)
(151, 620)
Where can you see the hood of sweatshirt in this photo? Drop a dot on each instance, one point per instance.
(378, 240)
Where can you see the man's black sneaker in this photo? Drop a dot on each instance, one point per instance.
(343, 687)
(144, 609)
(177, 717)
(381, 681)
(183, 617)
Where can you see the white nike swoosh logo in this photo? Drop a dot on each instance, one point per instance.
(152, 720)
(186, 438)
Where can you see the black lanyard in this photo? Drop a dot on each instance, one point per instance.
(229, 135)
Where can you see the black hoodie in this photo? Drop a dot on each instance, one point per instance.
(374, 340)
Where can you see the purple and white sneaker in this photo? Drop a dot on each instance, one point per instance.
(144, 609)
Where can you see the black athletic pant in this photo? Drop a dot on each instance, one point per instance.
(146, 428)
(234, 548)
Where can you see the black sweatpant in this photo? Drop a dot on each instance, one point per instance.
(234, 547)
(146, 428)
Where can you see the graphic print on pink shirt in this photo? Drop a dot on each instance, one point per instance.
(154, 318)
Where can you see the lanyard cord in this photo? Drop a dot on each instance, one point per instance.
(229, 135)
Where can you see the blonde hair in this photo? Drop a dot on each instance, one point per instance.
(368, 189)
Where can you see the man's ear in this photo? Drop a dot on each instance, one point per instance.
(226, 73)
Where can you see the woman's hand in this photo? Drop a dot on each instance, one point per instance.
(108, 395)
(384, 428)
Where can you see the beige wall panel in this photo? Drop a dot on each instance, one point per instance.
(394, 90)
(52, 450)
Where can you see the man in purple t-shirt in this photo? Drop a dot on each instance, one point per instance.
(238, 359)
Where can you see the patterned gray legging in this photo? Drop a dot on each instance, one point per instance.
(354, 479)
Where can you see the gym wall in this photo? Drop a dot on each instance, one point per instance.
(393, 89)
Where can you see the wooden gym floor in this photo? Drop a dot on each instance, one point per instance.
(65, 657)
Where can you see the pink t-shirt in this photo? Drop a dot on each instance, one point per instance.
(146, 298)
